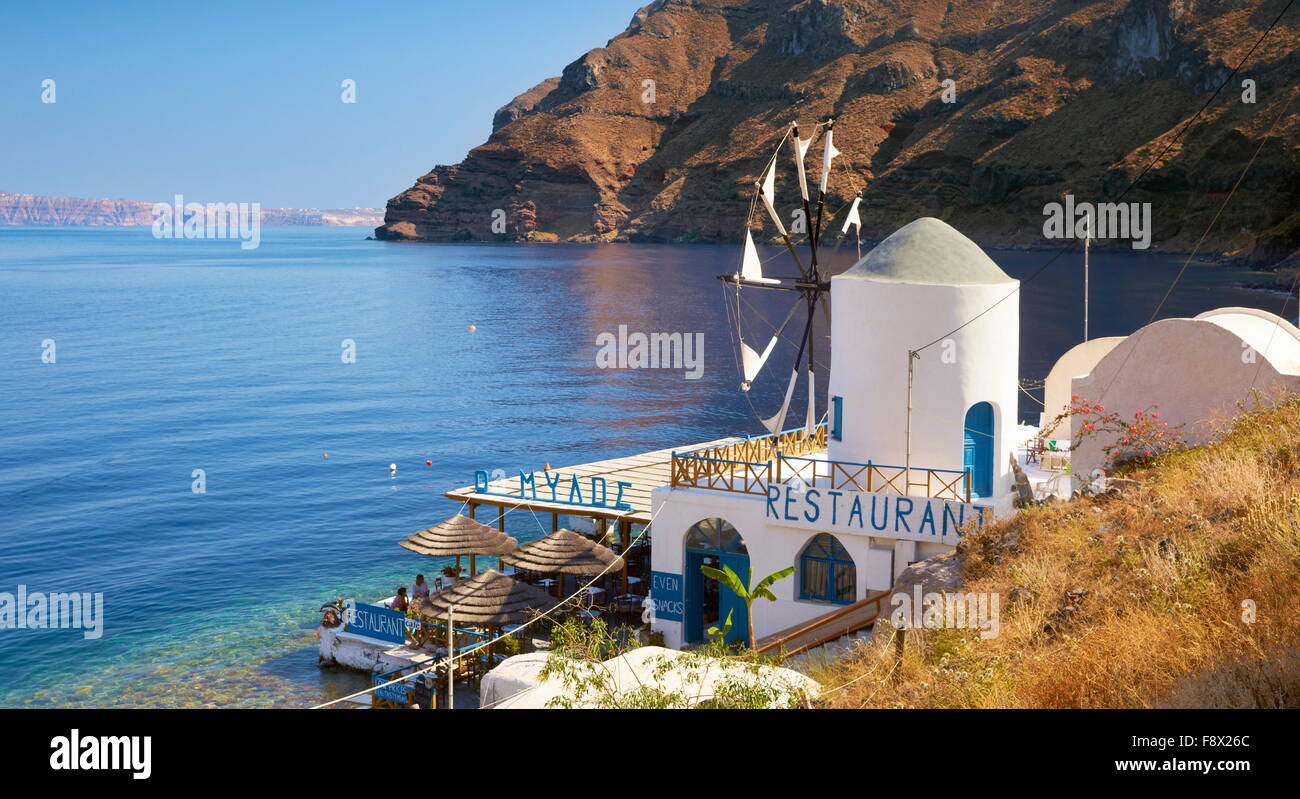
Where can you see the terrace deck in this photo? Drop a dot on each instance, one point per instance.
(646, 472)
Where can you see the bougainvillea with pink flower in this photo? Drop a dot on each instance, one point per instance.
(1130, 442)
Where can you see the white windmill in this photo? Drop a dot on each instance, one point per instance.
(812, 284)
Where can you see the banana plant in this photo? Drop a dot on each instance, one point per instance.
(731, 580)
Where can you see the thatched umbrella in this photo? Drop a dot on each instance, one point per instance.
(564, 552)
(460, 535)
(490, 599)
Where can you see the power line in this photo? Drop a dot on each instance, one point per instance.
(1178, 277)
(1177, 136)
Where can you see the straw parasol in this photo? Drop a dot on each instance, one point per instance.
(564, 552)
(489, 599)
(460, 535)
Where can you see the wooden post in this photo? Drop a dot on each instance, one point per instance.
(624, 539)
(473, 567)
(501, 518)
(555, 522)
(451, 664)
(472, 506)
(900, 639)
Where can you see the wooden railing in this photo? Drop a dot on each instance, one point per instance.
(825, 628)
(744, 466)
(748, 466)
(875, 477)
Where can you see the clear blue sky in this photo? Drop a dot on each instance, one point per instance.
(240, 101)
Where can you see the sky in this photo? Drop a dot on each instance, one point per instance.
(243, 101)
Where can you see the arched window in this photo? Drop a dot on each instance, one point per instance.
(715, 535)
(826, 572)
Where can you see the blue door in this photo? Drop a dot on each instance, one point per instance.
(978, 448)
(713, 543)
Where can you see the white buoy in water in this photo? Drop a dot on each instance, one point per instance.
(392, 468)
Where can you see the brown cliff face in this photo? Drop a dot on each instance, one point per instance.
(1052, 97)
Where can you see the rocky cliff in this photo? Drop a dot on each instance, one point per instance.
(31, 209)
(659, 135)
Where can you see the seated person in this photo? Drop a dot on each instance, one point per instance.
(400, 602)
(421, 589)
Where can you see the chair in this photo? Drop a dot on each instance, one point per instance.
(1033, 450)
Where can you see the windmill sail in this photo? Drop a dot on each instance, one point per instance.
(751, 361)
(800, 150)
(768, 190)
(853, 219)
(777, 422)
(751, 268)
(828, 153)
(810, 420)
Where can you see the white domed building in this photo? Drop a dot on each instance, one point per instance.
(908, 296)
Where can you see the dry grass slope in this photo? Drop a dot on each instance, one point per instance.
(1167, 565)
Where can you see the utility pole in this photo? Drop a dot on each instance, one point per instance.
(912, 355)
(451, 662)
(1086, 239)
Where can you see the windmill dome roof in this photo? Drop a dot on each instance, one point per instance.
(928, 250)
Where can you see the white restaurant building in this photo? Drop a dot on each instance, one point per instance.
(874, 488)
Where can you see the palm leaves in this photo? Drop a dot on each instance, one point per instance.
(730, 579)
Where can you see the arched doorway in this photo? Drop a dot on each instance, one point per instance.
(978, 448)
(716, 543)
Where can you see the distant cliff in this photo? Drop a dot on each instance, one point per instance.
(30, 209)
(1051, 98)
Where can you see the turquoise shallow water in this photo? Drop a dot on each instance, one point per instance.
(182, 355)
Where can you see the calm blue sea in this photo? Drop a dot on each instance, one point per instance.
(180, 355)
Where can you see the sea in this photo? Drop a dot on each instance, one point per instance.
(284, 380)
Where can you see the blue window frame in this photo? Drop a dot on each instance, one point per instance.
(826, 572)
(837, 417)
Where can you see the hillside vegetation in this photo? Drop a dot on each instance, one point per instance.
(1138, 599)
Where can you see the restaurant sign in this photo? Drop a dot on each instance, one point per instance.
(882, 515)
(378, 622)
(666, 592)
(588, 492)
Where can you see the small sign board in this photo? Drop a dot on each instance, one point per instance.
(374, 621)
(397, 692)
(666, 591)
